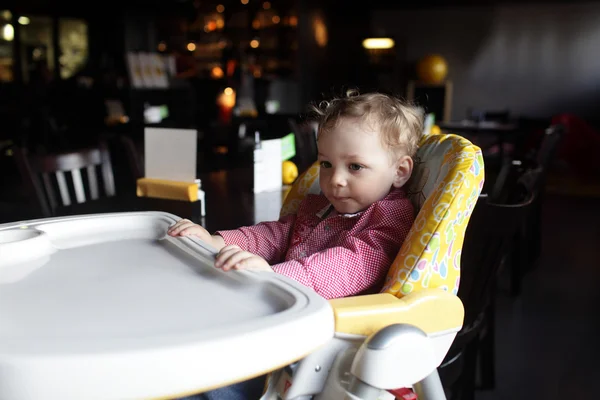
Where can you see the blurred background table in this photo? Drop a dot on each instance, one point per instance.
(230, 202)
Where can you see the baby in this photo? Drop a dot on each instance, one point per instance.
(341, 242)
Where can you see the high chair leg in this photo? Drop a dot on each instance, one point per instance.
(430, 388)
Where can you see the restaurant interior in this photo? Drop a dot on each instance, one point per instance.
(81, 83)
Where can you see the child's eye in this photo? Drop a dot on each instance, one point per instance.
(325, 164)
(356, 167)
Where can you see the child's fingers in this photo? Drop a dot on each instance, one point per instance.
(223, 255)
(230, 258)
(229, 248)
(192, 230)
(179, 226)
(238, 261)
(227, 259)
(249, 263)
(179, 223)
(187, 228)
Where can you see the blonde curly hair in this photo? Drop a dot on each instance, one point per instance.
(399, 123)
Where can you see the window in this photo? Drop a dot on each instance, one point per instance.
(73, 42)
(7, 35)
(37, 50)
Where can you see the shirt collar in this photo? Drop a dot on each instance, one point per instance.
(328, 210)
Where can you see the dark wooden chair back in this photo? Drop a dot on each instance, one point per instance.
(135, 156)
(59, 180)
(529, 175)
(489, 237)
(552, 138)
(514, 172)
(306, 142)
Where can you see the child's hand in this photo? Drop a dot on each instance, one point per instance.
(185, 227)
(232, 257)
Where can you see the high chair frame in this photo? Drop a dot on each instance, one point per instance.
(397, 338)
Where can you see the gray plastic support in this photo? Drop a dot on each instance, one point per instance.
(387, 336)
(362, 390)
(430, 388)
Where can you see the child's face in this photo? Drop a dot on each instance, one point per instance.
(356, 168)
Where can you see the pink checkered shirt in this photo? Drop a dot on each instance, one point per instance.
(337, 255)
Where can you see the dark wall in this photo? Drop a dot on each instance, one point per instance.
(536, 60)
(327, 69)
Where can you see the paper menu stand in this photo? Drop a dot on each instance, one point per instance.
(267, 179)
(170, 165)
(429, 122)
(268, 185)
(267, 164)
(170, 154)
(267, 205)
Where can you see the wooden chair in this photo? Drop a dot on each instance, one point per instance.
(512, 169)
(306, 142)
(57, 180)
(528, 175)
(135, 156)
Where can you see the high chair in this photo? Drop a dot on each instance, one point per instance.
(398, 337)
(136, 313)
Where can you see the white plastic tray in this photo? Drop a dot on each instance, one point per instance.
(109, 307)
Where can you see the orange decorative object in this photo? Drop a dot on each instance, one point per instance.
(432, 69)
(226, 101)
(231, 64)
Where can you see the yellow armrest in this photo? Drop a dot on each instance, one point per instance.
(432, 310)
(164, 189)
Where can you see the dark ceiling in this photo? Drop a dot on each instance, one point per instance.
(109, 9)
(177, 5)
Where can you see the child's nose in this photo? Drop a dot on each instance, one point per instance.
(338, 179)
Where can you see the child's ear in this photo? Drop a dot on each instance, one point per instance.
(404, 167)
